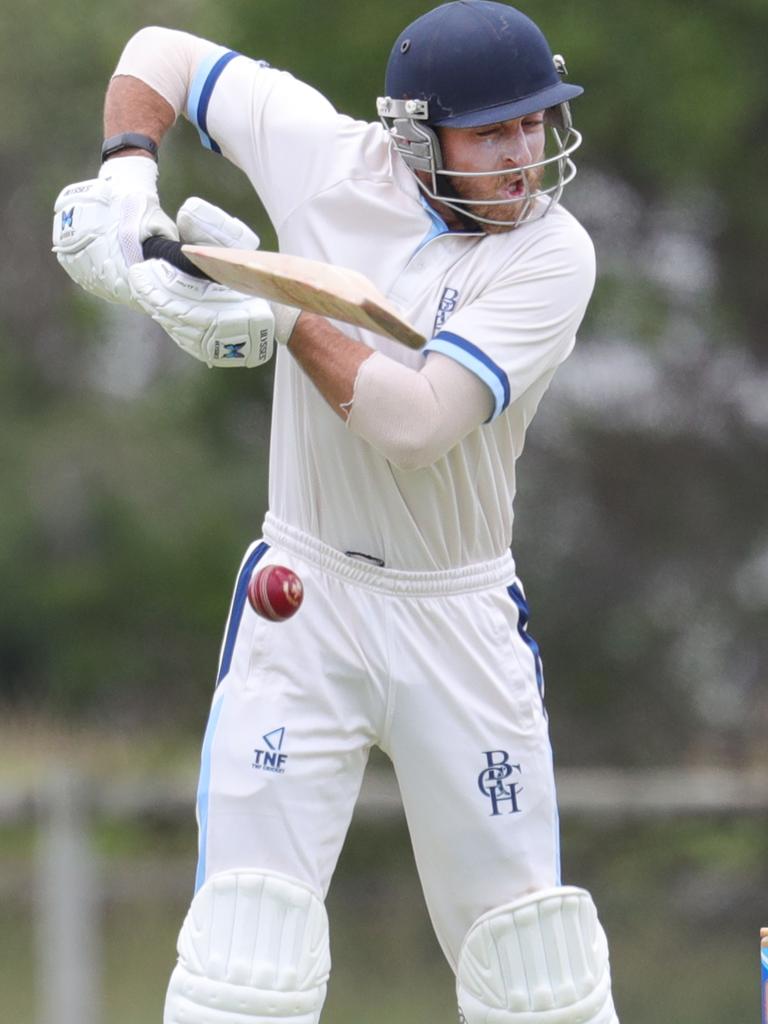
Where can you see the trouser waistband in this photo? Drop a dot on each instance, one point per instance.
(478, 576)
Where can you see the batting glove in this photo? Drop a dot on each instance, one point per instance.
(214, 324)
(99, 225)
(202, 223)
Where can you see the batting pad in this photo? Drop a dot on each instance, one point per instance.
(253, 947)
(540, 960)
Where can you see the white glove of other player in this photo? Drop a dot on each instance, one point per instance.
(216, 325)
(99, 225)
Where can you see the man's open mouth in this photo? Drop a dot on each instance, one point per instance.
(515, 189)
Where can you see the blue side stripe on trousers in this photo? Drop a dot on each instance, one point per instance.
(204, 783)
(238, 603)
(523, 615)
(203, 789)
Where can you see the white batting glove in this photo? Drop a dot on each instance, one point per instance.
(214, 324)
(202, 223)
(99, 225)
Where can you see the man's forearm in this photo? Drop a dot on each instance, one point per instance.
(412, 417)
(133, 106)
(329, 358)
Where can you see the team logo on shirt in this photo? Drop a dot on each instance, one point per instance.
(499, 781)
(271, 759)
(447, 305)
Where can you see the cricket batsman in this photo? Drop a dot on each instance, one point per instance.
(391, 486)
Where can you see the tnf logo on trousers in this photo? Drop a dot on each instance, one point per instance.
(272, 759)
(499, 782)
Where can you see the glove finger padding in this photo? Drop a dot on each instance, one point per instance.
(214, 324)
(99, 225)
(86, 243)
(202, 223)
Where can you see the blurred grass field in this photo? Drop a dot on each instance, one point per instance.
(682, 904)
(682, 901)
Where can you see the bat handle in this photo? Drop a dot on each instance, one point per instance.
(158, 248)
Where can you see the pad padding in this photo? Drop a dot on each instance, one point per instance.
(253, 949)
(540, 960)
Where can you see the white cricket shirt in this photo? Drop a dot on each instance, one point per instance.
(505, 306)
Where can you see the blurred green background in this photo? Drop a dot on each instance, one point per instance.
(132, 479)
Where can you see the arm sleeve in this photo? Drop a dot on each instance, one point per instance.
(166, 60)
(523, 325)
(278, 130)
(414, 417)
(282, 133)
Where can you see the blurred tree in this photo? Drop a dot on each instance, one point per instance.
(132, 480)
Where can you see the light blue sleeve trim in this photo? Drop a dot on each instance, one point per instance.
(475, 360)
(205, 78)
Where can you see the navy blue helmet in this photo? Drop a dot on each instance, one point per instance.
(470, 63)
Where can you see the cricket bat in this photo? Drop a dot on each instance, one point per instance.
(335, 292)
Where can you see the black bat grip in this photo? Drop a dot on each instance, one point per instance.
(158, 248)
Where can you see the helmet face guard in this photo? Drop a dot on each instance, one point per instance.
(407, 123)
(470, 63)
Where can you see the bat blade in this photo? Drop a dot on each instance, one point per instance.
(335, 292)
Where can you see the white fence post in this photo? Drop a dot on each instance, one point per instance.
(66, 906)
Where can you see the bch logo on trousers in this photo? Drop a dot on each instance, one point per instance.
(272, 759)
(498, 781)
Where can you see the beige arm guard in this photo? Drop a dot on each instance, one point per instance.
(165, 59)
(415, 417)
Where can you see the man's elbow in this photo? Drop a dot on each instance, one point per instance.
(418, 451)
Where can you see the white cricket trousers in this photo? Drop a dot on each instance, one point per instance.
(439, 671)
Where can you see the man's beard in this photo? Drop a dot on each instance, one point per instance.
(507, 215)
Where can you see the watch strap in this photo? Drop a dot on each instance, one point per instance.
(128, 140)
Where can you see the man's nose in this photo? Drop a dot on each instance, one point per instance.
(517, 151)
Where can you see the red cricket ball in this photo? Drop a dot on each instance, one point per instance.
(275, 592)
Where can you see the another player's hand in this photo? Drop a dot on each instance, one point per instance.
(99, 225)
(216, 325)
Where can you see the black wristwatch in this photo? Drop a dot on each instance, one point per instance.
(128, 140)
